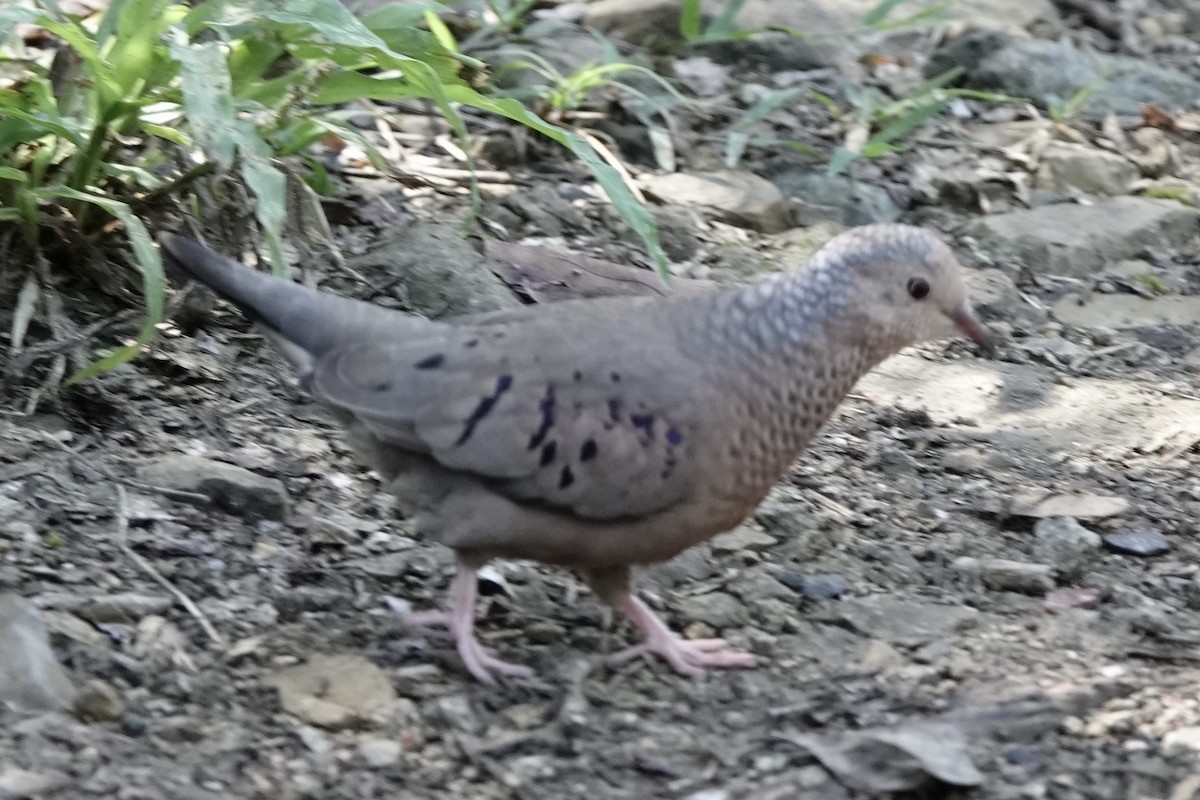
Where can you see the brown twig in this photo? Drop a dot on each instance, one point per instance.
(148, 568)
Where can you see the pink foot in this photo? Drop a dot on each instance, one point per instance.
(688, 656)
(460, 619)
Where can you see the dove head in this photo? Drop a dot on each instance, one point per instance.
(906, 285)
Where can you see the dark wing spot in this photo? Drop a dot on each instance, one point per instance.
(503, 384)
(382, 386)
(674, 437)
(566, 478)
(578, 376)
(614, 410)
(614, 377)
(547, 407)
(548, 452)
(588, 451)
(643, 421)
(471, 343)
(433, 362)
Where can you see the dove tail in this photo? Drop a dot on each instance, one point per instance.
(304, 322)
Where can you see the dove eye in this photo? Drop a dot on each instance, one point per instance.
(918, 288)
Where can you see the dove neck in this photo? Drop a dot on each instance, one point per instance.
(803, 322)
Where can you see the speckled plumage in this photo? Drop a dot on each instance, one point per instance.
(602, 434)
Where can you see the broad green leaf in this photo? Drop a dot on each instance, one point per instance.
(329, 18)
(44, 124)
(342, 87)
(269, 186)
(165, 132)
(9, 17)
(135, 47)
(207, 98)
(9, 215)
(13, 174)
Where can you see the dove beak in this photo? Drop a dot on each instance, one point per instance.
(970, 326)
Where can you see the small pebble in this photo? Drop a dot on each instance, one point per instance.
(134, 725)
(1061, 601)
(814, 587)
(380, 753)
(1143, 543)
(99, 702)
(1022, 756)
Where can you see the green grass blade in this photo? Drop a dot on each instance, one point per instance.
(146, 256)
(910, 121)
(723, 25)
(633, 212)
(269, 186)
(689, 20)
(880, 12)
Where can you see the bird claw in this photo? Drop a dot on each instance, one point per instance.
(687, 656)
(485, 666)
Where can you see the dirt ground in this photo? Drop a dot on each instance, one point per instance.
(981, 581)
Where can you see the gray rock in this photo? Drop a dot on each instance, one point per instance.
(718, 609)
(1077, 241)
(1050, 73)
(742, 538)
(965, 461)
(837, 198)
(547, 210)
(1066, 545)
(233, 489)
(435, 272)
(378, 753)
(904, 622)
(384, 565)
(816, 587)
(1004, 575)
(880, 657)
(123, 607)
(677, 231)
(98, 701)
(1042, 503)
(1143, 543)
(1123, 311)
(1053, 349)
(19, 784)
(1065, 166)
(739, 198)
(30, 677)
(335, 691)
(457, 713)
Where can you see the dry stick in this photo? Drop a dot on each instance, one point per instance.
(148, 568)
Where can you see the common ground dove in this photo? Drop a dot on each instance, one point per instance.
(602, 434)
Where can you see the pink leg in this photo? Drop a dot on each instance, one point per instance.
(689, 656)
(460, 619)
